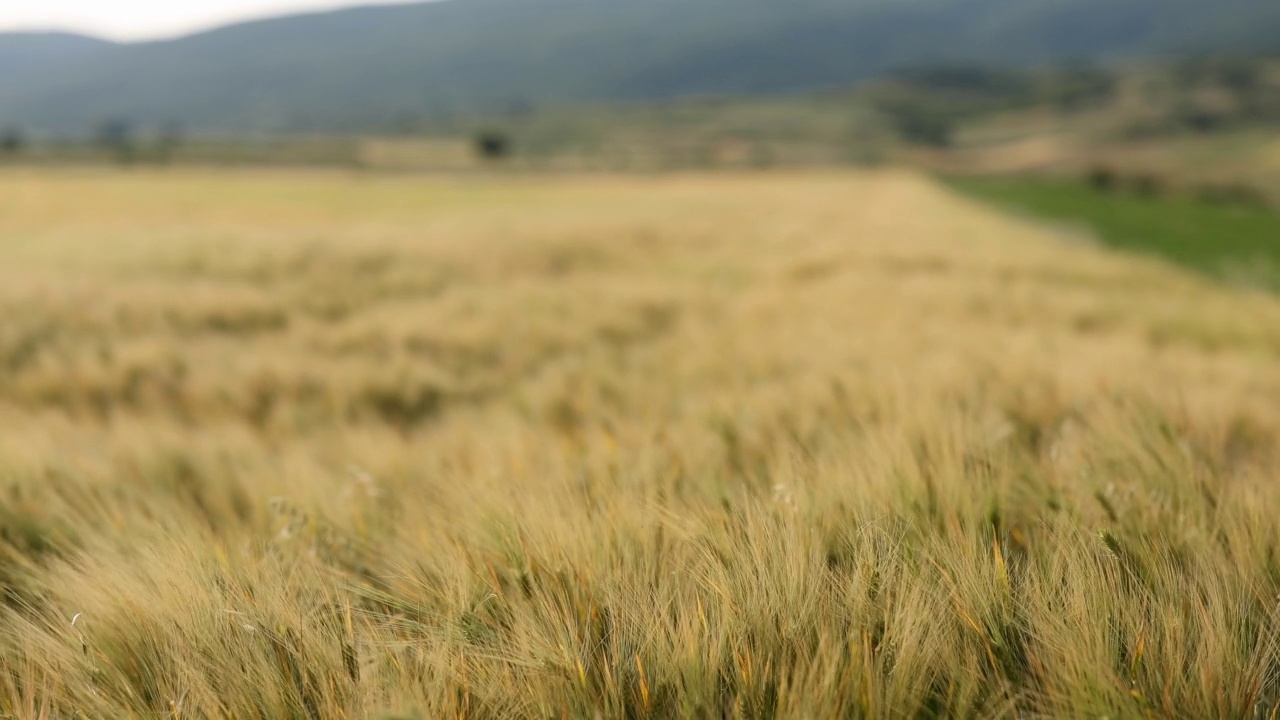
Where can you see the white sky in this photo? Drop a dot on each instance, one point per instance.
(148, 19)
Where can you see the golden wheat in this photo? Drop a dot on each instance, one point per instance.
(327, 446)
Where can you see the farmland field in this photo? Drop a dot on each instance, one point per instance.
(1232, 240)
(286, 445)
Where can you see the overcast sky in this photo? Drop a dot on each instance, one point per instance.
(148, 19)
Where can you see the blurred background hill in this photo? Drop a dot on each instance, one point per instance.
(35, 52)
(403, 67)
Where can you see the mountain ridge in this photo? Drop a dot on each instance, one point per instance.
(378, 65)
(26, 51)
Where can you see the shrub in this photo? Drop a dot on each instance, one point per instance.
(11, 141)
(493, 145)
(1102, 179)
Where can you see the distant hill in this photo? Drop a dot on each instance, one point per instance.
(22, 53)
(387, 66)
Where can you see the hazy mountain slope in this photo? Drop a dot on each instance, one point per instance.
(380, 65)
(22, 53)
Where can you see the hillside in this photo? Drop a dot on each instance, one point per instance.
(380, 67)
(22, 53)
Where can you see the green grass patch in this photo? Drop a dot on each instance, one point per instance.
(1235, 242)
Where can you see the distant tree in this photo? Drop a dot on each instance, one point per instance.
(12, 141)
(974, 80)
(115, 136)
(493, 145)
(1079, 85)
(1102, 178)
(1202, 120)
(921, 124)
(1241, 75)
(1238, 74)
(168, 140)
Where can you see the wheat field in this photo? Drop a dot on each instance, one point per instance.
(285, 445)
